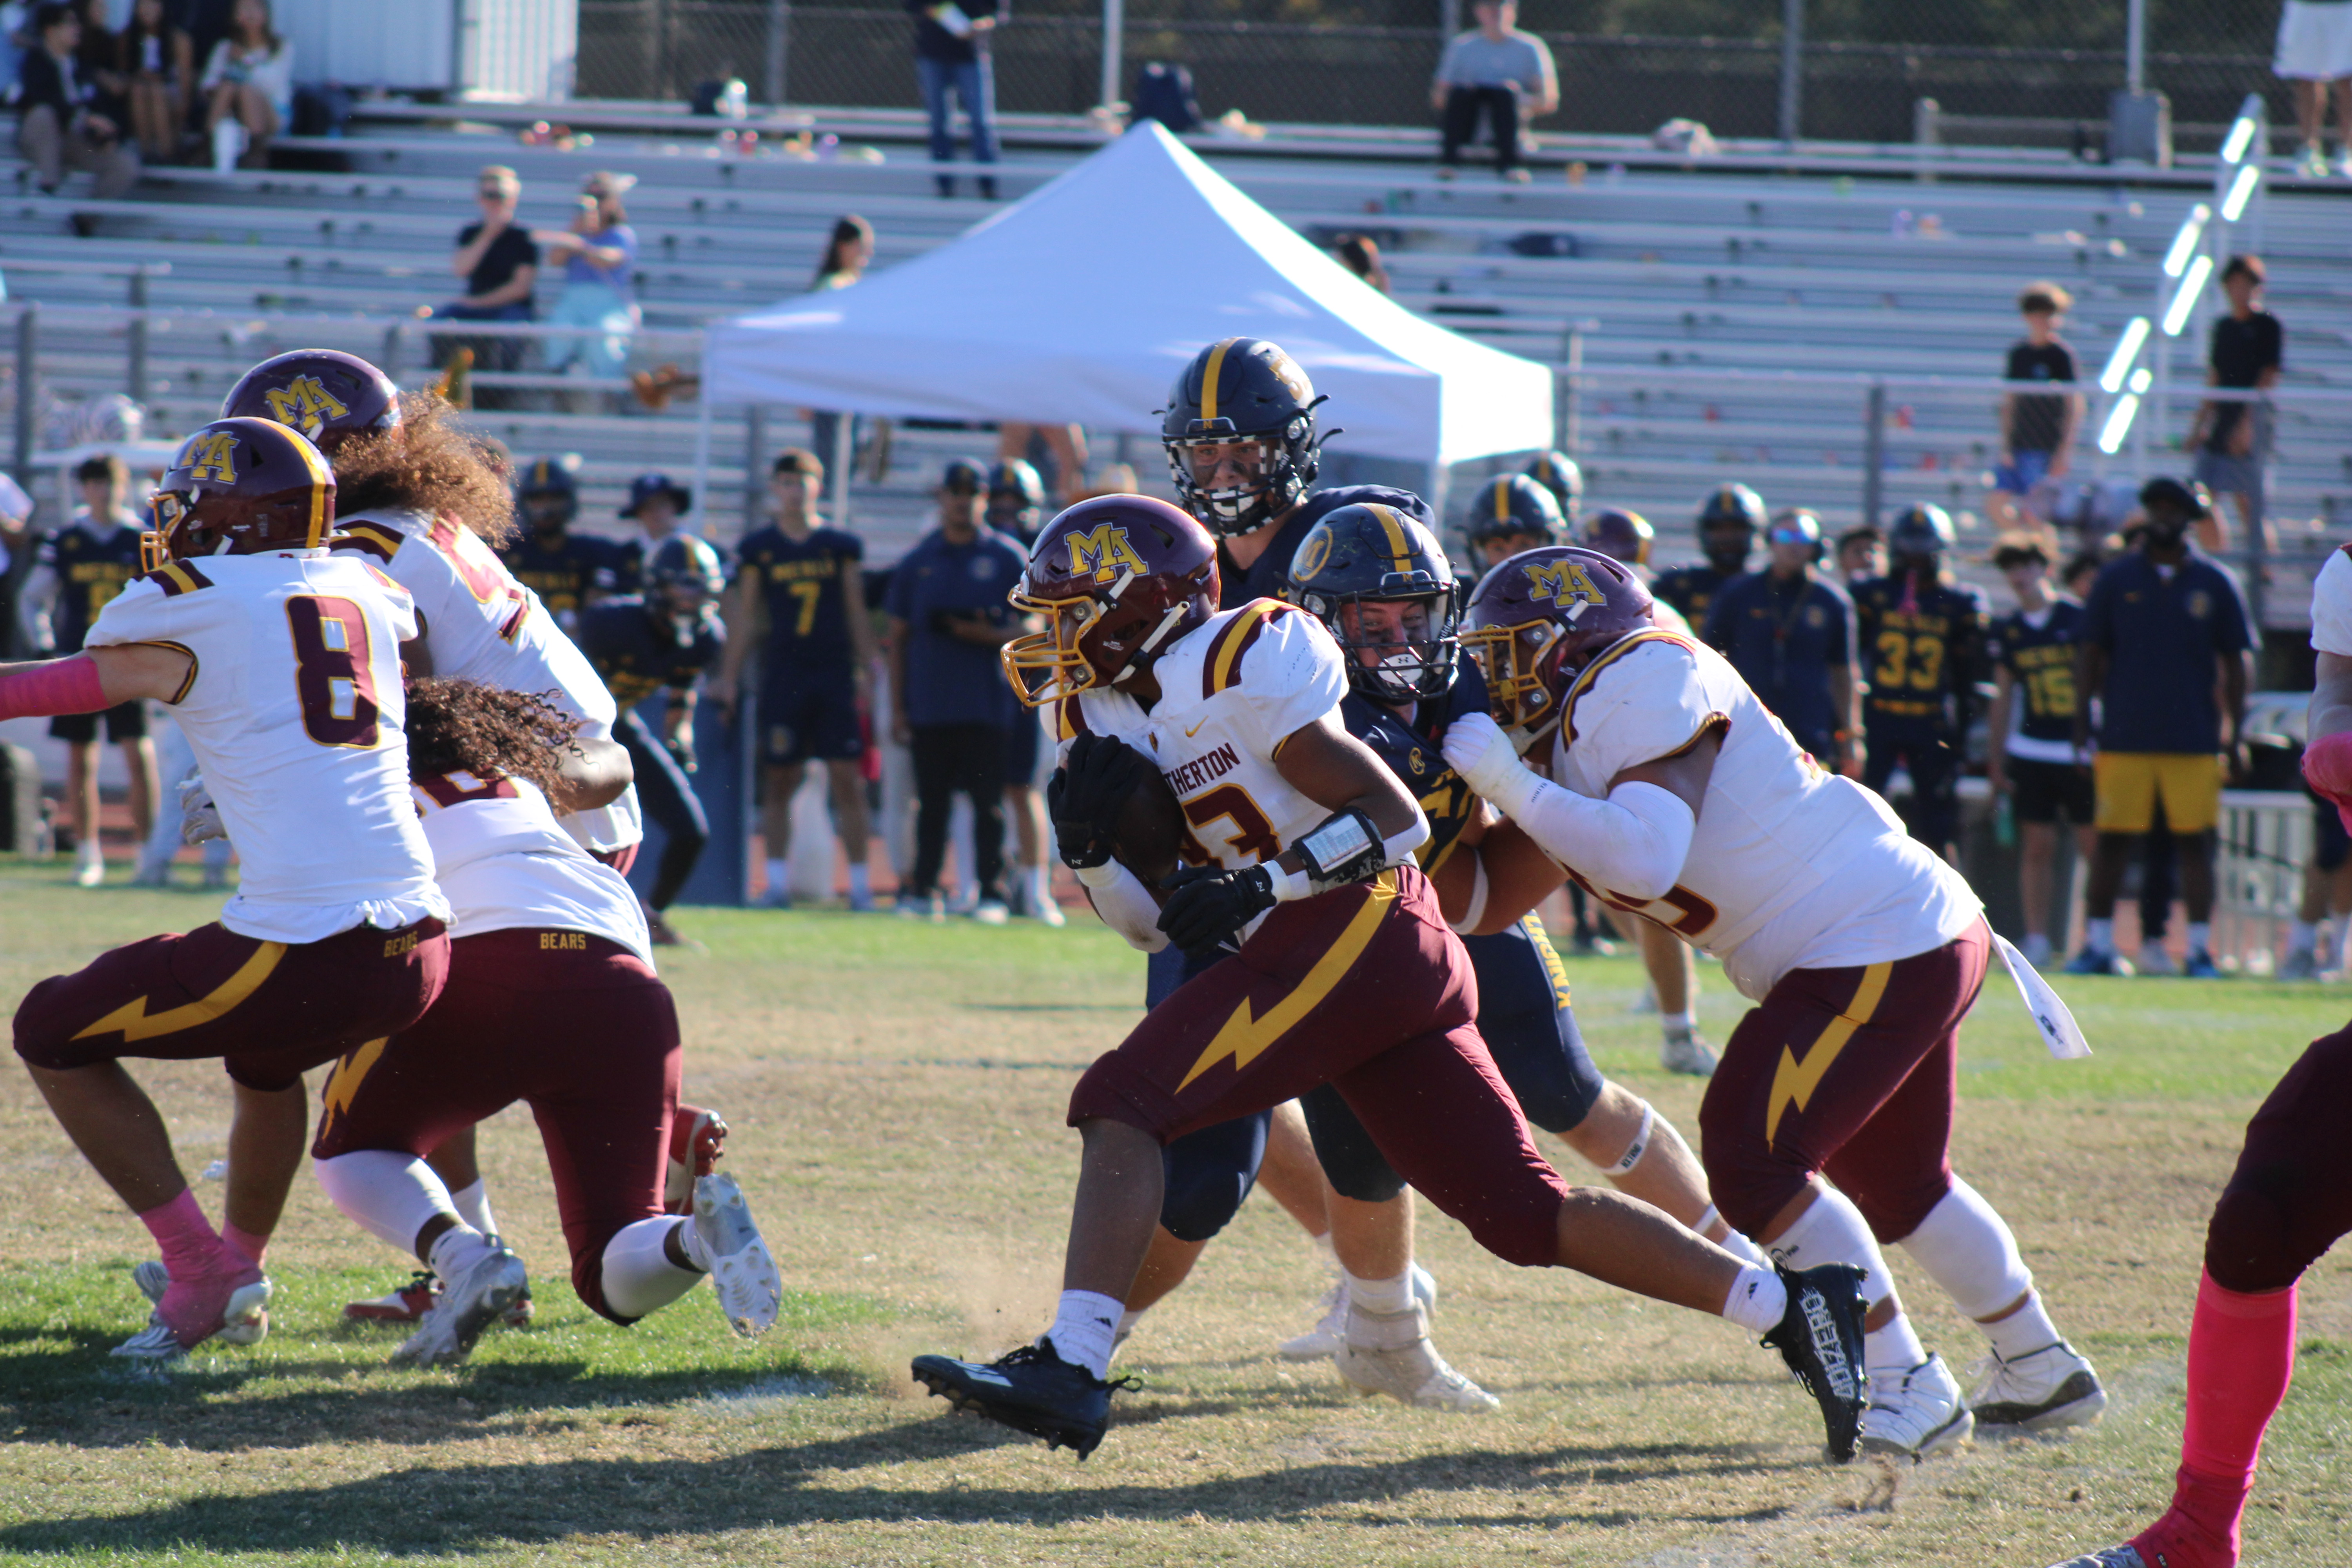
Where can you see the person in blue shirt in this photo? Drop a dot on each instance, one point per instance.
(949, 702)
(2167, 650)
(798, 598)
(568, 573)
(1789, 632)
(598, 252)
(1922, 645)
(641, 644)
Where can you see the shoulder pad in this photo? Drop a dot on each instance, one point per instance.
(1221, 664)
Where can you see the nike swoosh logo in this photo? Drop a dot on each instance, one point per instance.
(1195, 730)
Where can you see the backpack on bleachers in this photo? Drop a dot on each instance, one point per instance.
(1164, 92)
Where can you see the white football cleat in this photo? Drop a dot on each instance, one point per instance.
(90, 864)
(1322, 1342)
(466, 1304)
(1915, 1412)
(2040, 1391)
(241, 1308)
(743, 1270)
(2113, 1557)
(1389, 1352)
(1686, 1051)
(152, 1279)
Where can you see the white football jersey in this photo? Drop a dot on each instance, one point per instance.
(1232, 689)
(2331, 606)
(294, 709)
(1791, 867)
(481, 625)
(506, 864)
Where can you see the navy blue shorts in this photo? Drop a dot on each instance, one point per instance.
(124, 721)
(811, 714)
(1020, 738)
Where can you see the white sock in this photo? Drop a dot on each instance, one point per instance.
(861, 881)
(1888, 1352)
(1734, 1243)
(779, 873)
(1758, 1301)
(457, 1249)
(1681, 1023)
(2099, 935)
(1967, 1250)
(2200, 936)
(1127, 1321)
(1833, 1231)
(1388, 1297)
(2303, 936)
(389, 1195)
(1085, 1328)
(636, 1275)
(2023, 1332)
(473, 1205)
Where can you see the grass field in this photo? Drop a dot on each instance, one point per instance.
(896, 1093)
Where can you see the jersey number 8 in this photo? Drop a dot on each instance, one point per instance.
(334, 675)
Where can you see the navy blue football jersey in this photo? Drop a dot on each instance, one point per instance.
(563, 573)
(2040, 660)
(1921, 652)
(638, 652)
(801, 583)
(1414, 753)
(91, 570)
(1691, 590)
(1269, 574)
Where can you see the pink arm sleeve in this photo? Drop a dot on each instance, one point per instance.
(57, 686)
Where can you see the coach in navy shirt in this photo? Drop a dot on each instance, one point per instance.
(2166, 648)
(949, 702)
(1789, 632)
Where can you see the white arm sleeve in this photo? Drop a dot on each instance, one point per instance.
(2331, 606)
(1125, 904)
(1633, 843)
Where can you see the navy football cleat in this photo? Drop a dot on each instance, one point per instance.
(1820, 1336)
(1032, 1390)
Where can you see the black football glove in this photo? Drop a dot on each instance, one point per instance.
(1207, 904)
(1085, 795)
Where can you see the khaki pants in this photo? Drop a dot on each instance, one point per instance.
(52, 151)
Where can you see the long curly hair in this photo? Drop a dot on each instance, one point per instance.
(426, 465)
(463, 725)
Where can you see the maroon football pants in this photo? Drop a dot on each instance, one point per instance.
(1850, 1072)
(2290, 1198)
(573, 1025)
(270, 1010)
(1366, 989)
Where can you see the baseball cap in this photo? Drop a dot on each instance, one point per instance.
(964, 476)
(644, 487)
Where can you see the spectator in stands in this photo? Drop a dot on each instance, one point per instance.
(96, 60)
(1360, 255)
(951, 54)
(57, 128)
(2166, 652)
(158, 67)
(2037, 432)
(499, 262)
(249, 88)
(1497, 71)
(949, 702)
(1860, 555)
(2030, 758)
(77, 569)
(846, 257)
(1789, 631)
(2231, 439)
(2315, 53)
(599, 255)
(656, 503)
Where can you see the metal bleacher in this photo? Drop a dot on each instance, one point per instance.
(1723, 321)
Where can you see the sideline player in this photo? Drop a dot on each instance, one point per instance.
(1558, 473)
(1680, 797)
(641, 644)
(2289, 1199)
(2032, 759)
(1728, 522)
(567, 571)
(1922, 647)
(1509, 514)
(283, 663)
(1341, 970)
(799, 596)
(552, 1001)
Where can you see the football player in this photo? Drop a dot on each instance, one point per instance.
(1622, 536)
(1676, 793)
(799, 596)
(283, 663)
(568, 573)
(656, 502)
(1336, 967)
(2032, 757)
(1016, 499)
(2289, 1199)
(1728, 522)
(1558, 472)
(641, 644)
(1922, 647)
(1507, 515)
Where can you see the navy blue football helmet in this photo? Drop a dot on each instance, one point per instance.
(1359, 554)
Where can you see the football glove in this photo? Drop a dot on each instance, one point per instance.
(1207, 905)
(1477, 748)
(1085, 795)
(200, 819)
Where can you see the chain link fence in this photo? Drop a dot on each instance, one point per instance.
(1625, 65)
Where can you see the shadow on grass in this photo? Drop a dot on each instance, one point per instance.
(421, 1511)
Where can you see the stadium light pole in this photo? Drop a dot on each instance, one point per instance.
(1792, 70)
(1114, 25)
(2135, 47)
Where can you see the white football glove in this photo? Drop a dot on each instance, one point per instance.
(200, 819)
(1477, 748)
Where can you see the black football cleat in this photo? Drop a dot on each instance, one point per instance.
(1032, 1390)
(1820, 1336)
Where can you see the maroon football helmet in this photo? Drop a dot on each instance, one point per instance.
(239, 487)
(1620, 534)
(1118, 578)
(1539, 618)
(328, 395)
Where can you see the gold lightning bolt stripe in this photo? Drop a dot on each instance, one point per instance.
(1245, 1036)
(1794, 1082)
(343, 1085)
(133, 1019)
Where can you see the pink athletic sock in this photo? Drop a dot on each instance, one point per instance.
(245, 1241)
(189, 1245)
(2240, 1357)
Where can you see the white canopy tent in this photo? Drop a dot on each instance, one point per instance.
(1081, 302)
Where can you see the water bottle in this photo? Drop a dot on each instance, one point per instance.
(2004, 824)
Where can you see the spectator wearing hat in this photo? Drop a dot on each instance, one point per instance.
(656, 503)
(598, 253)
(799, 599)
(951, 56)
(2037, 430)
(2166, 652)
(1789, 631)
(2231, 438)
(949, 702)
